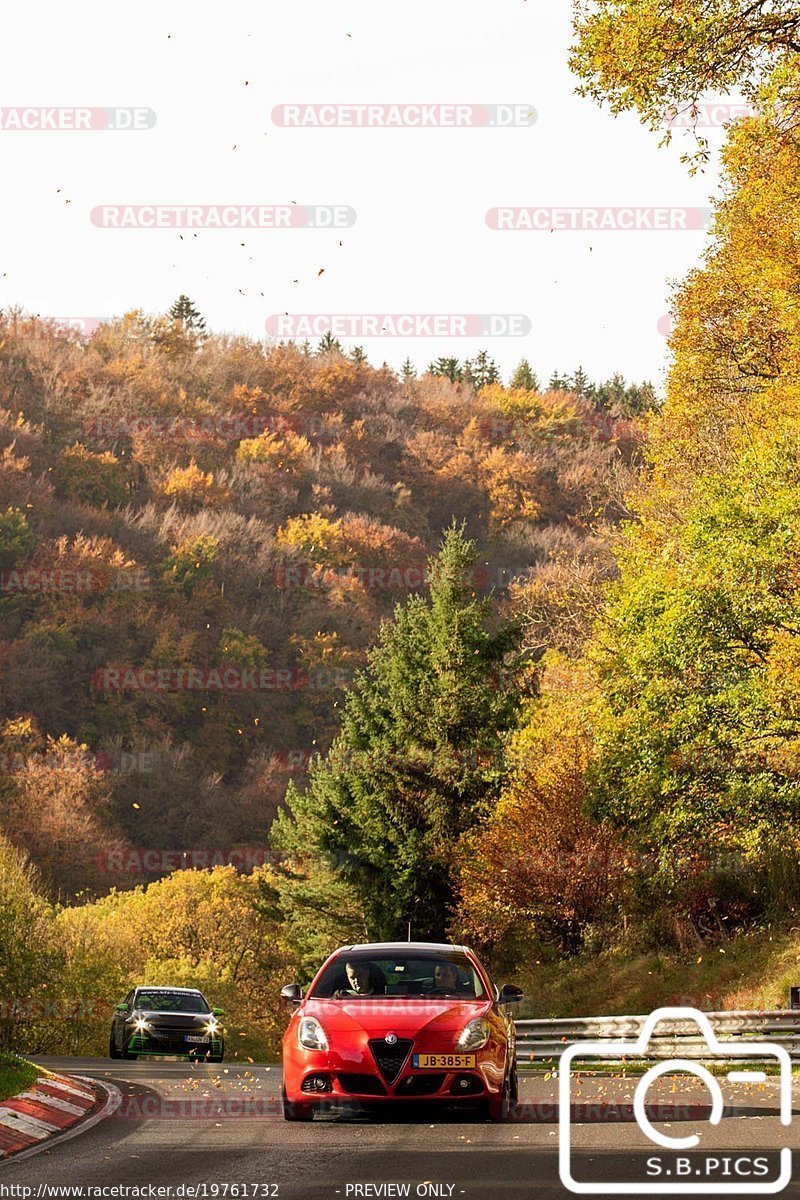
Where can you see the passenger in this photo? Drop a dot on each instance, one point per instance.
(445, 979)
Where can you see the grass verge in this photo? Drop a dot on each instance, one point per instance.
(752, 971)
(16, 1075)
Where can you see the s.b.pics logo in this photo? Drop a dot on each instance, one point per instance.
(678, 1153)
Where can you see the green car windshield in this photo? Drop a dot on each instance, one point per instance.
(403, 976)
(166, 1001)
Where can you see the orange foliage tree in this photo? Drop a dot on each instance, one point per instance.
(538, 869)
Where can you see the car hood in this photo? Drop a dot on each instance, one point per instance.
(406, 1018)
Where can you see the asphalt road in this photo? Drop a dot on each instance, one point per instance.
(180, 1124)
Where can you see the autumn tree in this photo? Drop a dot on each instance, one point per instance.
(92, 478)
(658, 58)
(537, 869)
(17, 539)
(697, 734)
(191, 487)
(29, 949)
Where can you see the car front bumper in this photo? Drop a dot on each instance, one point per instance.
(173, 1041)
(356, 1077)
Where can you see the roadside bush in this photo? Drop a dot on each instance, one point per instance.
(190, 929)
(30, 955)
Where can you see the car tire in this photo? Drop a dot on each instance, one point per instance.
(499, 1107)
(513, 1092)
(296, 1112)
(113, 1052)
(129, 1055)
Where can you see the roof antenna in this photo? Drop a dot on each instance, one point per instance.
(409, 931)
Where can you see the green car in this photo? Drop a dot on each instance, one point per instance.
(167, 1020)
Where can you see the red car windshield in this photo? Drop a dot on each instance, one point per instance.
(407, 976)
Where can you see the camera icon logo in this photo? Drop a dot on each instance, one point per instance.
(637, 1048)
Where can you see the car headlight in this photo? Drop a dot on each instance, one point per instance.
(212, 1027)
(475, 1035)
(311, 1035)
(141, 1025)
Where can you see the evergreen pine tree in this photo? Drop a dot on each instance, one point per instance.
(327, 343)
(407, 371)
(524, 378)
(447, 368)
(188, 316)
(480, 371)
(418, 758)
(580, 382)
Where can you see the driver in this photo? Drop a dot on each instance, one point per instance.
(361, 977)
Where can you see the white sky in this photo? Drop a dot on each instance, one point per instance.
(420, 243)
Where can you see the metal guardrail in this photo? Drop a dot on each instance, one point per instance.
(547, 1039)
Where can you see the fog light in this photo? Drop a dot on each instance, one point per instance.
(466, 1085)
(317, 1083)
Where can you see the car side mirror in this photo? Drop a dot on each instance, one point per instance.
(509, 994)
(292, 993)
(122, 1008)
(218, 1012)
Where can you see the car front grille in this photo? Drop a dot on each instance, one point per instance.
(171, 1041)
(420, 1085)
(390, 1058)
(361, 1085)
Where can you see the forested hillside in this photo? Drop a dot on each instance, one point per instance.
(199, 537)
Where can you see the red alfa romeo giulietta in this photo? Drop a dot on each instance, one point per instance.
(399, 1021)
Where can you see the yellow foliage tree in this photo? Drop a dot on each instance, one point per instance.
(193, 488)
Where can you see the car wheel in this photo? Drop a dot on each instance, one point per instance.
(500, 1106)
(296, 1112)
(113, 1052)
(129, 1054)
(513, 1091)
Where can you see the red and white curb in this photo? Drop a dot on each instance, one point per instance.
(54, 1108)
